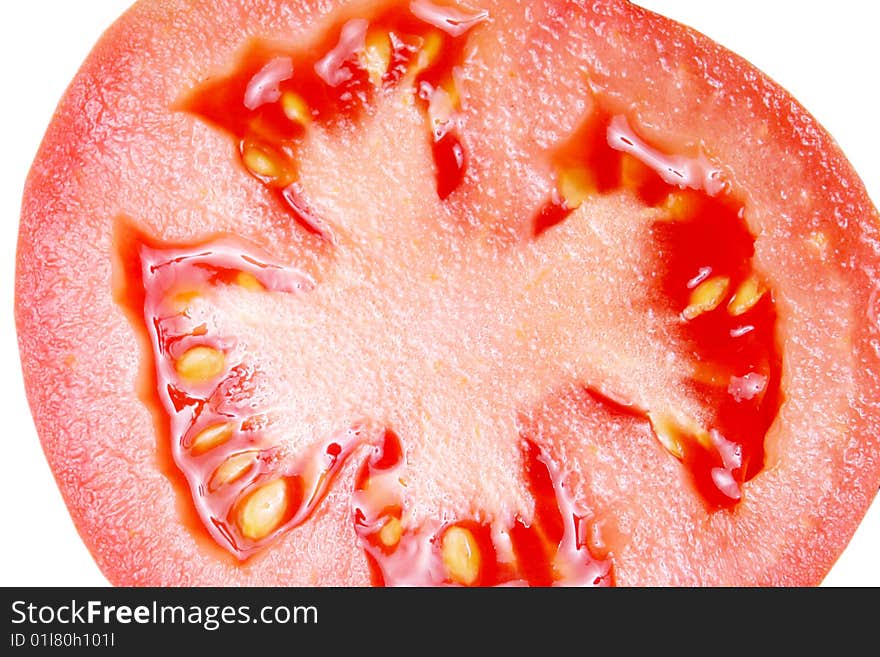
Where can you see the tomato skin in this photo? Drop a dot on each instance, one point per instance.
(50, 213)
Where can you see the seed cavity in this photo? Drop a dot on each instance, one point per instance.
(201, 364)
(263, 509)
(461, 555)
(212, 437)
(747, 295)
(706, 297)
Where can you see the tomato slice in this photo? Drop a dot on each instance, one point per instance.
(353, 299)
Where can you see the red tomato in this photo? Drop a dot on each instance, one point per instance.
(430, 298)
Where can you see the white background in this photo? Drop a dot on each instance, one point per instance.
(825, 53)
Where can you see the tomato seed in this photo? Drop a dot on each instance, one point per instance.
(575, 186)
(211, 437)
(233, 469)
(248, 282)
(391, 532)
(295, 108)
(747, 295)
(707, 296)
(461, 555)
(376, 56)
(201, 364)
(263, 510)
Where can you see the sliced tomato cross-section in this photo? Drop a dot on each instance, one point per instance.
(411, 293)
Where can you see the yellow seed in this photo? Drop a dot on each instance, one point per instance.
(690, 428)
(391, 532)
(431, 46)
(428, 53)
(704, 438)
(263, 510)
(747, 295)
(261, 163)
(707, 296)
(633, 172)
(680, 205)
(201, 364)
(668, 433)
(232, 468)
(181, 300)
(460, 555)
(575, 186)
(376, 56)
(674, 431)
(248, 282)
(452, 93)
(212, 437)
(295, 108)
